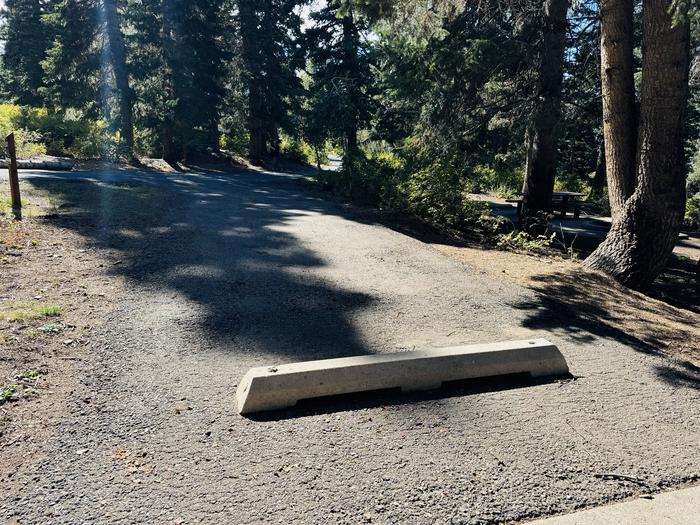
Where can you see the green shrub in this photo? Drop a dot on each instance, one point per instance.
(299, 150)
(69, 133)
(235, 141)
(520, 240)
(435, 193)
(570, 182)
(487, 179)
(27, 143)
(600, 201)
(693, 183)
(692, 211)
(441, 196)
(372, 181)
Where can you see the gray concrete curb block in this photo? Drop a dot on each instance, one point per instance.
(282, 386)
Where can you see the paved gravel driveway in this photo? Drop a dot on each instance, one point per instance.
(245, 269)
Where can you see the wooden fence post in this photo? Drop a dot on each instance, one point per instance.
(14, 178)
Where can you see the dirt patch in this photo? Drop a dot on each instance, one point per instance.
(578, 300)
(55, 289)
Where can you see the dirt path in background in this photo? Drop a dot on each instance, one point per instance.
(224, 270)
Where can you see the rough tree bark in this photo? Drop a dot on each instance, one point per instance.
(540, 137)
(350, 39)
(619, 109)
(171, 151)
(117, 55)
(256, 121)
(599, 177)
(642, 238)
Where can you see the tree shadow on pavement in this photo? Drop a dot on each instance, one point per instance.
(583, 305)
(220, 240)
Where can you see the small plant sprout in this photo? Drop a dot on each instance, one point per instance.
(51, 328)
(523, 241)
(8, 393)
(29, 375)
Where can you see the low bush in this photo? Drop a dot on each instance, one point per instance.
(600, 200)
(300, 151)
(368, 180)
(520, 240)
(437, 193)
(27, 143)
(236, 141)
(570, 182)
(692, 212)
(504, 182)
(68, 133)
(39, 132)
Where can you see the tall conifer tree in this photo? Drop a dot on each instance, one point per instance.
(26, 39)
(270, 30)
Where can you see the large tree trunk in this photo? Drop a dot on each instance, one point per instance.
(350, 43)
(256, 120)
(171, 149)
(619, 110)
(213, 134)
(257, 137)
(540, 138)
(273, 136)
(599, 177)
(121, 74)
(170, 152)
(642, 239)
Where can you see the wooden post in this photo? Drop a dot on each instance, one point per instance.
(14, 178)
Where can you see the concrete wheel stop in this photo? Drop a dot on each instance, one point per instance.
(282, 386)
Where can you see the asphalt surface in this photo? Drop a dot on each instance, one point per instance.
(247, 269)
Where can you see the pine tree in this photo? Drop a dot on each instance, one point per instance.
(541, 135)
(72, 65)
(179, 54)
(203, 33)
(112, 21)
(648, 216)
(341, 89)
(26, 39)
(270, 30)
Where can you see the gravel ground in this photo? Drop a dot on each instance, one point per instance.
(229, 271)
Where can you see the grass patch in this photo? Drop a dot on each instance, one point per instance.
(6, 205)
(51, 311)
(27, 311)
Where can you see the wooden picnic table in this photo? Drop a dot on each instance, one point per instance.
(565, 197)
(562, 198)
